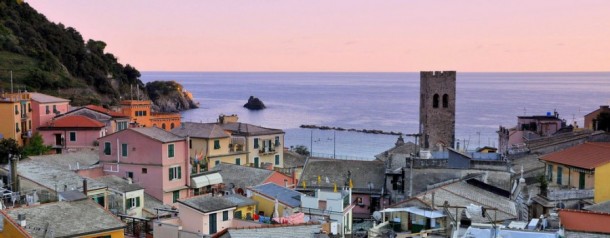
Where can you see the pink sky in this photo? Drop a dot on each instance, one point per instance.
(345, 35)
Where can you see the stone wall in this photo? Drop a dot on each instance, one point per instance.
(437, 115)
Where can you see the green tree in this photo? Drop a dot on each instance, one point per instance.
(302, 150)
(544, 184)
(9, 147)
(603, 121)
(36, 146)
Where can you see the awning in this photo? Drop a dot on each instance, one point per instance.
(205, 180)
(417, 211)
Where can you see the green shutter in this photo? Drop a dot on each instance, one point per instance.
(137, 201)
(124, 150)
(216, 144)
(170, 150)
(129, 205)
(179, 172)
(255, 143)
(237, 161)
(107, 150)
(171, 173)
(277, 159)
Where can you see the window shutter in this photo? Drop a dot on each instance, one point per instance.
(137, 201)
(179, 172)
(171, 173)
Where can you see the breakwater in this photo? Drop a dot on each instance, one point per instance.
(368, 131)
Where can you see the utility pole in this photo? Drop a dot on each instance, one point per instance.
(334, 145)
(311, 142)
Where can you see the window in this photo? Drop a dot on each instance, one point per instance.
(277, 141)
(277, 159)
(435, 101)
(445, 100)
(122, 125)
(73, 136)
(216, 162)
(143, 113)
(237, 161)
(130, 175)
(16, 110)
(133, 203)
(170, 150)
(29, 107)
(175, 173)
(144, 170)
(559, 174)
(190, 143)
(225, 215)
(47, 107)
(107, 149)
(17, 127)
(176, 195)
(30, 124)
(171, 126)
(55, 109)
(124, 150)
(197, 191)
(255, 143)
(216, 144)
(550, 172)
(163, 126)
(255, 162)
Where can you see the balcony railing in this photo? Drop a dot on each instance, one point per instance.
(266, 150)
(27, 134)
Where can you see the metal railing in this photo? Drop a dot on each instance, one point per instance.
(341, 157)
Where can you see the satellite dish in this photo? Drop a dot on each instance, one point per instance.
(377, 215)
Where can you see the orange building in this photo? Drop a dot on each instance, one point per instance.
(16, 117)
(139, 112)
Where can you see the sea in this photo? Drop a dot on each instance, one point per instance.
(384, 101)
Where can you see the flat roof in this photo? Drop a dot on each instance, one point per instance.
(54, 177)
(66, 219)
(207, 203)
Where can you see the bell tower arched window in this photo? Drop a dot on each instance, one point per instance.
(445, 100)
(435, 100)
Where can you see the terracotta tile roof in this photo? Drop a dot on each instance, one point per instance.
(76, 121)
(105, 111)
(585, 221)
(587, 156)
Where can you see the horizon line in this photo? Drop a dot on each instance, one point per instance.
(255, 71)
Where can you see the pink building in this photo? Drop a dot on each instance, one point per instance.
(511, 140)
(71, 132)
(153, 158)
(45, 107)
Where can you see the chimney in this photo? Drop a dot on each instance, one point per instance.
(85, 186)
(21, 219)
(14, 175)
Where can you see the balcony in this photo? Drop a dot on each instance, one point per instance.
(236, 148)
(266, 151)
(26, 134)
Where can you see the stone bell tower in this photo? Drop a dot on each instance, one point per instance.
(437, 110)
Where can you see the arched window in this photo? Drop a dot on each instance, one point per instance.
(171, 126)
(445, 100)
(435, 101)
(163, 126)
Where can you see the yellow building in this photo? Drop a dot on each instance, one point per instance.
(264, 146)
(246, 207)
(61, 219)
(266, 194)
(16, 117)
(210, 145)
(584, 166)
(139, 112)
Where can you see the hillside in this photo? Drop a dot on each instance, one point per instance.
(55, 59)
